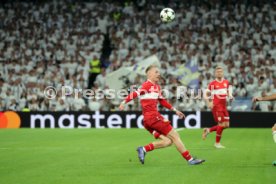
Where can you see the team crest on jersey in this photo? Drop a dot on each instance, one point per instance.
(154, 89)
(225, 85)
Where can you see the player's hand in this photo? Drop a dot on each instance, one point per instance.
(122, 106)
(231, 98)
(256, 99)
(274, 128)
(210, 105)
(180, 114)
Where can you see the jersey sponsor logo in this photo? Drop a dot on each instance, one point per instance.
(151, 95)
(154, 89)
(220, 91)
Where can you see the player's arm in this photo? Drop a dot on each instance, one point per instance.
(265, 98)
(166, 104)
(274, 132)
(133, 95)
(130, 97)
(230, 92)
(207, 95)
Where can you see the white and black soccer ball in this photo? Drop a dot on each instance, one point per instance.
(167, 15)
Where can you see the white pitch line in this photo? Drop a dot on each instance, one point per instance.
(179, 129)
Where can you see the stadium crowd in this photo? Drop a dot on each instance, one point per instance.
(55, 44)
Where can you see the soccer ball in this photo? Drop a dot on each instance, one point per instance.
(167, 15)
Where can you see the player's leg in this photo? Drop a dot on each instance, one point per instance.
(206, 131)
(226, 124)
(218, 135)
(141, 150)
(165, 128)
(153, 129)
(162, 142)
(223, 118)
(223, 125)
(174, 136)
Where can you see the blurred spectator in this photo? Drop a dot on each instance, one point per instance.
(94, 105)
(61, 106)
(240, 91)
(100, 79)
(264, 107)
(95, 70)
(2, 105)
(78, 103)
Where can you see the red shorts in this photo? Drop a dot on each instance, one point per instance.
(157, 125)
(221, 116)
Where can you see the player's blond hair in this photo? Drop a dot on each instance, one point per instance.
(219, 67)
(150, 67)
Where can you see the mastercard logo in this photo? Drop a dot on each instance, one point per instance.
(9, 119)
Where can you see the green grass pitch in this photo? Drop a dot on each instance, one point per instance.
(48, 156)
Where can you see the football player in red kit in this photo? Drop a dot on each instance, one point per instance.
(150, 95)
(216, 98)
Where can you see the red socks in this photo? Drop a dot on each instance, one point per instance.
(219, 132)
(214, 128)
(148, 147)
(187, 155)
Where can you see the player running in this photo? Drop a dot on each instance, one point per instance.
(274, 137)
(216, 96)
(268, 98)
(154, 122)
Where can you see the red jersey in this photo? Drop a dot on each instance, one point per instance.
(219, 91)
(150, 96)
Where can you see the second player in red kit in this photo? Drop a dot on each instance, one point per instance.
(216, 96)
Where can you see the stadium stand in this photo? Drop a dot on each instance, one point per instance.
(54, 43)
